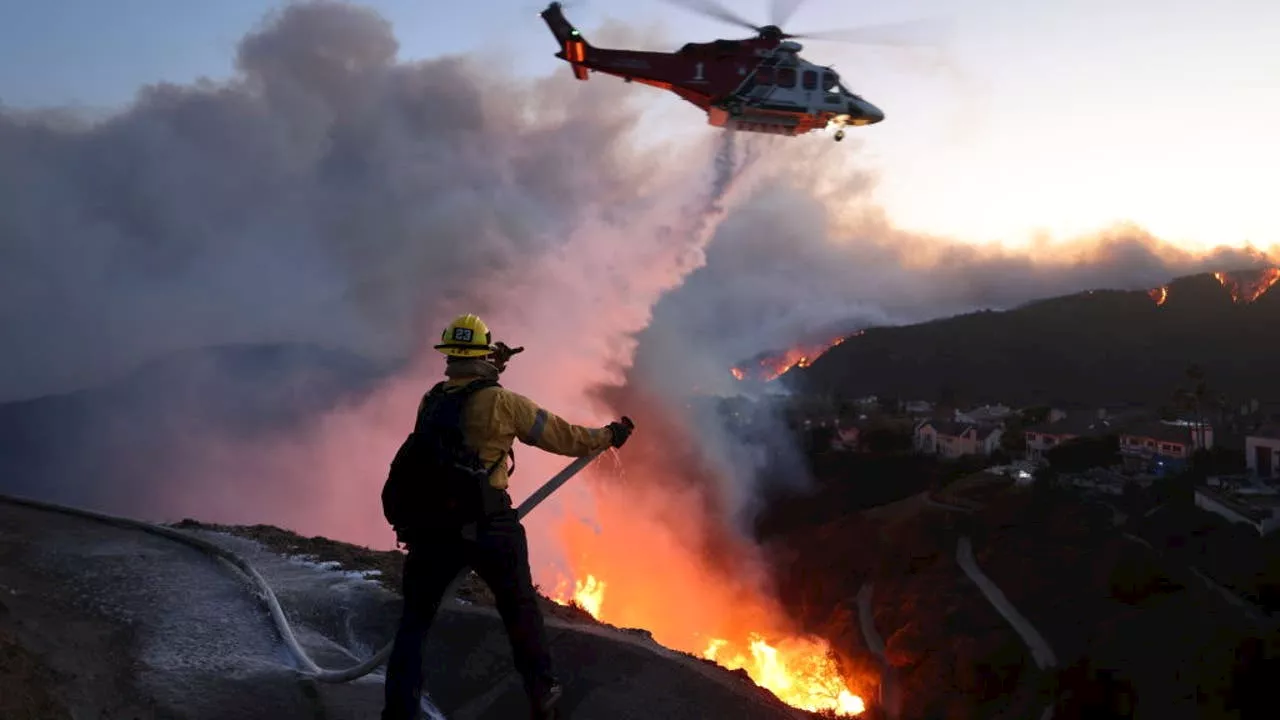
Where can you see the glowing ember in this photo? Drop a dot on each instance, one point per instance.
(1159, 295)
(1245, 287)
(800, 672)
(588, 595)
(775, 365)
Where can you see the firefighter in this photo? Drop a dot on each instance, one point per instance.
(496, 547)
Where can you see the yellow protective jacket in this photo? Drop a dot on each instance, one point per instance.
(496, 417)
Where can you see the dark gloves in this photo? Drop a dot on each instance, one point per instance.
(502, 353)
(621, 430)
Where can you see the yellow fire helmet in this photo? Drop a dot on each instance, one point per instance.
(466, 336)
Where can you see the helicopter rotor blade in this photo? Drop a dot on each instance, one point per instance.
(911, 33)
(782, 10)
(713, 9)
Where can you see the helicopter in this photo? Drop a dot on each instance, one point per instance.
(758, 84)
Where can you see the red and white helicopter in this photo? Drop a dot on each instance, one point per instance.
(760, 84)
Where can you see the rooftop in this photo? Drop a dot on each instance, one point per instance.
(952, 428)
(1270, 431)
(1162, 432)
(1077, 425)
(1257, 508)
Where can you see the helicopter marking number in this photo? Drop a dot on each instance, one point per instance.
(697, 71)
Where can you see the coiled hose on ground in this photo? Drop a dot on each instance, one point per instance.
(309, 667)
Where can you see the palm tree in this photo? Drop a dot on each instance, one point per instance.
(1195, 397)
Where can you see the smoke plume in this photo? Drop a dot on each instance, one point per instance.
(336, 202)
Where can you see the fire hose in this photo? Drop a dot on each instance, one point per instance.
(309, 667)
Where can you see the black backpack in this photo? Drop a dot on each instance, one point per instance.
(436, 482)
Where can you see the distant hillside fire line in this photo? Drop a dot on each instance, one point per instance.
(775, 365)
(1246, 287)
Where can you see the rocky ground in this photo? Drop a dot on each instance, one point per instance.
(381, 566)
(113, 623)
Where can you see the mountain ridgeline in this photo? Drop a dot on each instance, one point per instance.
(1092, 348)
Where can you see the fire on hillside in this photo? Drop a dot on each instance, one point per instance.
(1245, 286)
(773, 365)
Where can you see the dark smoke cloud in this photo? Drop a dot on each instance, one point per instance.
(259, 252)
(326, 195)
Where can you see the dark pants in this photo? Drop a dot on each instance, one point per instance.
(500, 556)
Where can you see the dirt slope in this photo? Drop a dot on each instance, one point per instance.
(109, 623)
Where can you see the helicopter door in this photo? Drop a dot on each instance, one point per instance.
(809, 84)
(762, 84)
(786, 81)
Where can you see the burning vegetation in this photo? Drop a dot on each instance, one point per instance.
(774, 365)
(1245, 287)
(662, 553)
(587, 595)
(799, 670)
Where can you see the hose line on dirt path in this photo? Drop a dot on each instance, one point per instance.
(309, 666)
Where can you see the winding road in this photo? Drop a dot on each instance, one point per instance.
(890, 690)
(1039, 647)
(1040, 650)
(1259, 615)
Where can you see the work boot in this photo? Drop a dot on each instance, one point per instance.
(546, 706)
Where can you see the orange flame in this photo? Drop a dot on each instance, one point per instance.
(1159, 295)
(800, 672)
(1245, 287)
(775, 365)
(662, 553)
(588, 595)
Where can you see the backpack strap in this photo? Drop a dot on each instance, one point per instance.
(438, 393)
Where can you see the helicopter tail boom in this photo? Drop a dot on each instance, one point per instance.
(573, 47)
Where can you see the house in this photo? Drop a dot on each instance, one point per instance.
(925, 435)
(1160, 447)
(847, 437)
(1262, 452)
(952, 440)
(1261, 511)
(917, 408)
(1046, 436)
(984, 415)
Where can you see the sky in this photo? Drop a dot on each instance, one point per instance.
(1036, 119)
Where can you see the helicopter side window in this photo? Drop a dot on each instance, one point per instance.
(830, 83)
(786, 77)
(764, 76)
(809, 80)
